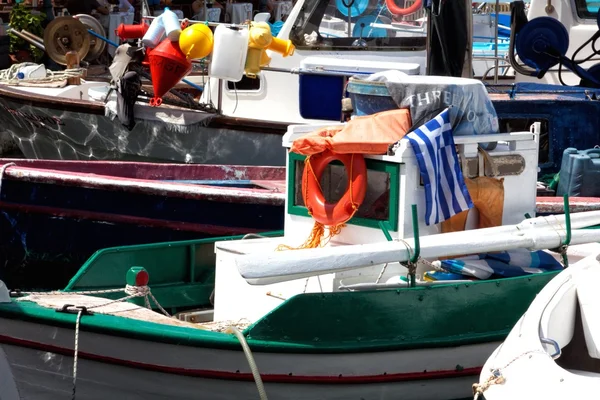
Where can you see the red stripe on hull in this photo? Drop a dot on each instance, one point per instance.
(238, 376)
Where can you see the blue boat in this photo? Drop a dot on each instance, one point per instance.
(55, 214)
(565, 112)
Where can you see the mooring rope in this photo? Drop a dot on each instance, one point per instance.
(131, 291)
(9, 75)
(257, 378)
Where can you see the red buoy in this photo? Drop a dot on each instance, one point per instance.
(168, 65)
(125, 32)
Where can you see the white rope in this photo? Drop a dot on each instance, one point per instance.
(496, 378)
(76, 352)
(257, 378)
(131, 291)
(9, 75)
(381, 273)
(139, 291)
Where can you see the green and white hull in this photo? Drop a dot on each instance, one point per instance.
(416, 343)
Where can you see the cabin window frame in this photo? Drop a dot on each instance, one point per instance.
(259, 79)
(392, 169)
(582, 11)
(313, 11)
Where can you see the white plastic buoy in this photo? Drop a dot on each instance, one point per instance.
(171, 24)
(155, 33)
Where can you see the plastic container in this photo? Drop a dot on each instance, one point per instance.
(229, 53)
(32, 71)
(320, 97)
(196, 41)
(580, 173)
(155, 33)
(171, 24)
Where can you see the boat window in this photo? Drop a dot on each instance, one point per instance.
(381, 200)
(587, 8)
(358, 24)
(246, 84)
(522, 125)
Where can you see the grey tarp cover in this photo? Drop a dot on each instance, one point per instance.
(471, 112)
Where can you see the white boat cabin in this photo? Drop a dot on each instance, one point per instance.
(394, 185)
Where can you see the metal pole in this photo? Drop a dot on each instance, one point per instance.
(220, 97)
(468, 67)
(31, 35)
(496, 42)
(27, 39)
(209, 23)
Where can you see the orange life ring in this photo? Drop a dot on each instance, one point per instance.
(340, 212)
(394, 9)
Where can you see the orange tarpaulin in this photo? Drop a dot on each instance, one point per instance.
(488, 198)
(371, 134)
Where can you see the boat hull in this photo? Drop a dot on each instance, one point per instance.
(55, 214)
(44, 128)
(423, 343)
(128, 369)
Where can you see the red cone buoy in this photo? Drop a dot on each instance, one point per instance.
(168, 65)
(125, 32)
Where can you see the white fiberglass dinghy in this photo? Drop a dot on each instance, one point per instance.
(553, 352)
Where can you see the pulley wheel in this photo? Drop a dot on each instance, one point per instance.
(538, 36)
(66, 34)
(97, 46)
(593, 73)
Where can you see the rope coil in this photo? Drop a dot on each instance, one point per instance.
(9, 76)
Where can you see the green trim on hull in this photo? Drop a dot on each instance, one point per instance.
(343, 322)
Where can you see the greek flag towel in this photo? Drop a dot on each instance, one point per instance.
(445, 191)
(510, 263)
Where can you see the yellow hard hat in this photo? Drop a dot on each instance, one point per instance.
(196, 41)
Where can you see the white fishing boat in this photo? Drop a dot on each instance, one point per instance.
(339, 321)
(552, 352)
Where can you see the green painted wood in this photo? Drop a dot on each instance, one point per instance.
(410, 318)
(393, 171)
(414, 317)
(182, 274)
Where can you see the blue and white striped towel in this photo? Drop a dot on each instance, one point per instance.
(446, 193)
(509, 263)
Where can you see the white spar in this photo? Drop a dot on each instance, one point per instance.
(281, 266)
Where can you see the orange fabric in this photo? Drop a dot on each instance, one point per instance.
(488, 198)
(371, 134)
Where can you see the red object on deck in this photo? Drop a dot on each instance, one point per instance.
(125, 32)
(168, 65)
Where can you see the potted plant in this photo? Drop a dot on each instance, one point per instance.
(23, 18)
